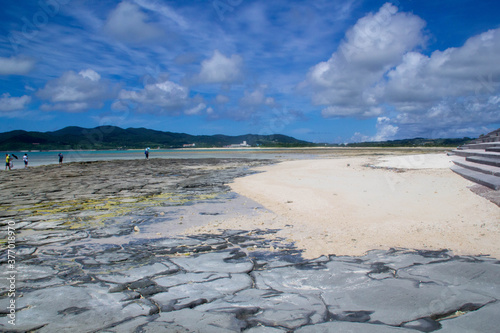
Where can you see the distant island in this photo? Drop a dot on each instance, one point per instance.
(112, 137)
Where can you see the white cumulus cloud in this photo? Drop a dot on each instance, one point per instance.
(385, 130)
(221, 69)
(448, 90)
(346, 83)
(196, 110)
(467, 70)
(90, 74)
(163, 96)
(378, 71)
(9, 103)
(74, 92)
(128, 23)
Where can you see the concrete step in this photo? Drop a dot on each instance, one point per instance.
(483, 168)
(475, 152)
(494, 150)
(490, 181)
(485, 145)
(487, 139)
(484, 160)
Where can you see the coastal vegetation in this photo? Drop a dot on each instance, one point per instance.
(416, 142)
(112, 137)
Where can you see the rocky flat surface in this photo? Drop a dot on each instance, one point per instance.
(96, 251)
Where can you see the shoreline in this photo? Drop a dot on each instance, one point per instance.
(50, 157)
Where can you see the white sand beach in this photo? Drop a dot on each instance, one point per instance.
(345, 207)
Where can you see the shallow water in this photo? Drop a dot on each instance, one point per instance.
(37, 158)
(51, 157)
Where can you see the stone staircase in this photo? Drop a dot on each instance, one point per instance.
(479, 160)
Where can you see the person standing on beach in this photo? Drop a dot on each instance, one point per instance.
(146, 152)
(7, 161)
(60, 158)
(25, 159)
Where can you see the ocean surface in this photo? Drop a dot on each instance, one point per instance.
(36, 158)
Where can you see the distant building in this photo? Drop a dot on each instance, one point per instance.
(187, 145)
(239, 145)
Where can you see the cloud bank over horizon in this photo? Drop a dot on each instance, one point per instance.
(322, 72)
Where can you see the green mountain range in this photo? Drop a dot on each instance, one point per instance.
(416, 142)
(112, 137)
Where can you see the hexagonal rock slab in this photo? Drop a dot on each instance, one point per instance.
(271, 308)
(479, 276)
(190, 294)
(220, 262)
(395, 301)
(189, 320)
(138, 273)
(70, 308)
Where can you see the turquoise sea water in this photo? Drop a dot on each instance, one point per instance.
(51, 157)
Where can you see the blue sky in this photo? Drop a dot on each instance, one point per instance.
(322, 71)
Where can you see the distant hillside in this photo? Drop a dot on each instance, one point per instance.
(417, 142)
(111, 137)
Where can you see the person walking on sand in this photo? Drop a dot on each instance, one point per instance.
(12, 156)
(146, 152)
(7, 161)
(60, 158)
(25, 159)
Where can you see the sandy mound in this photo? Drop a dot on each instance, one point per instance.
(345, 207)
